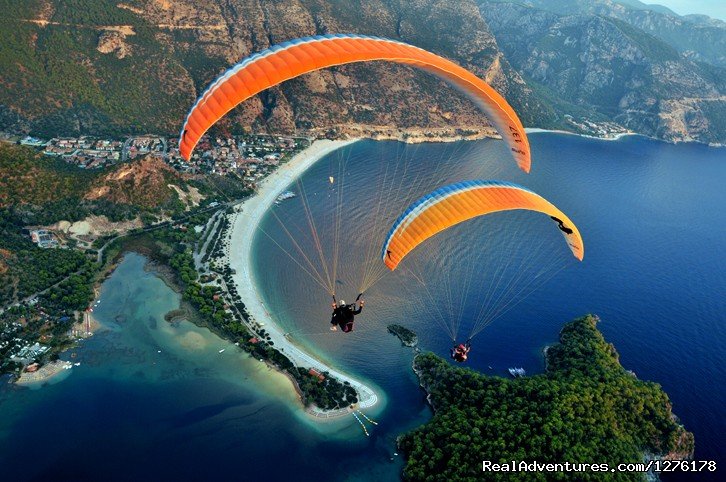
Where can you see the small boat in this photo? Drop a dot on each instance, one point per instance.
(220, 351)
(77, 364)
(286, 195)
(517, 372)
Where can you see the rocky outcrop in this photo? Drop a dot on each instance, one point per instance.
(113, 42)
(146, 182)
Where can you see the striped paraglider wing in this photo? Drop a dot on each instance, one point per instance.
(291, 59)
(456, 203)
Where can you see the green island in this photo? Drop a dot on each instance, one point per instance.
(407, 337)
(585, 408)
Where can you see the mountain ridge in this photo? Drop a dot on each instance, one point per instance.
(612, 69)
(102, 67)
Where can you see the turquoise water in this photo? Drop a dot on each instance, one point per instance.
(654, 270)
(152, 401)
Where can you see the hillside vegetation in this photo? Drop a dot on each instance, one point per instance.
(108, 67)
(103, 67)
(42, 190)
(37, 190)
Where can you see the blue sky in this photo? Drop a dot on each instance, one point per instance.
(712, 8)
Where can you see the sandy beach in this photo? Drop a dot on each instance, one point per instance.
(241, 236)
(44, 373)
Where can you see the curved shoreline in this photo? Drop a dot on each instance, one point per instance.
(241, 235)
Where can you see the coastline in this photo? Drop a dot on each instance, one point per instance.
(241, 235)
(81, 330)
(44, 373)
(620, 135)
(615, 137)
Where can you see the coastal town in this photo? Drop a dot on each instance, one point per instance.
(36, 329)
(250, 155)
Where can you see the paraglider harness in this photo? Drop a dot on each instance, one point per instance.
(344, 315)
(460, 352)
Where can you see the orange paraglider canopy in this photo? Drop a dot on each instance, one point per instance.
(297, 57)
(456, 203)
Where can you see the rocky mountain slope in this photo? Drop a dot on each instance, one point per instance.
(697, 37)
(604, 67)
(138, 65)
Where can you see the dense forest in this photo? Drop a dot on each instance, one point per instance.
(26, 269)
(585, 408)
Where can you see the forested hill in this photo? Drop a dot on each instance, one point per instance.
(115, 67)
(585, 408)
(39, 189)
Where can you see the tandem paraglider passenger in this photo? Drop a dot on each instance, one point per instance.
(344, 314)
(461, 352)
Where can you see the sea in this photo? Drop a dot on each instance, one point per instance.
(153, 400)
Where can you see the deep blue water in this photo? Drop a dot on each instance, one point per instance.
(654, 227)
(652, 218)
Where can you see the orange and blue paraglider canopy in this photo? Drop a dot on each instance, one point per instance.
(291, 59)
(456, 203)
